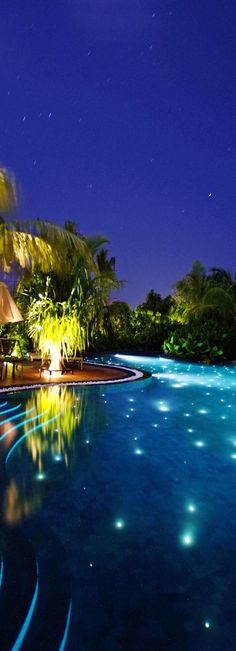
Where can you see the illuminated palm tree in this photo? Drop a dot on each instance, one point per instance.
(34, 244)
(37, 244)
(61, 328)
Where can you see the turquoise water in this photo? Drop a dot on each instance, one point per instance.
(118, 512)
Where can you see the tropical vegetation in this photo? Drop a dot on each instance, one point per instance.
(198, 321)
(64, 284)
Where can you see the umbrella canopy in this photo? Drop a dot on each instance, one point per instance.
(9, 313)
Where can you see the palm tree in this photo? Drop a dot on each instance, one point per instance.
(189, 293)
(8, 195)
(104, 263)
(56, 329)
(62, 327)
(222, 277)
(88, 277)
(35, 243)
(220, 301)
(38, 244)
(200, 295)
(92, 288)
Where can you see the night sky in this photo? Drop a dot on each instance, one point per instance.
(121, 116)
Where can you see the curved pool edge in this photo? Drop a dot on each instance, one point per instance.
(131, 375)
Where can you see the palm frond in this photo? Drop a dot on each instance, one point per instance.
(95, 242)
(8, 194)
(59, 238)
(220, 299)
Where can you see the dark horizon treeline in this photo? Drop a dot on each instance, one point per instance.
(197, 322)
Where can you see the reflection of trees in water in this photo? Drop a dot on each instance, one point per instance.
(95, 417)
(18, 504)
(80, 411)
(56, 446)
(56, 437)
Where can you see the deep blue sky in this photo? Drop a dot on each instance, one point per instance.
(121, 115)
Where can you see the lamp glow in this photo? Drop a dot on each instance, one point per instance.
(191, 508)
(187, 538)
(40, 476)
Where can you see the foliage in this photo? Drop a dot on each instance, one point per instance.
(221, 301)
(8, 194)
(138, 330)
(40, 245)
(67, 278)
(198, 322)
(144, 325)
(199, 294)
(117, 326)
(205, 341)
(155, 303)
(188, 295)
(66, 282)
(18, 332)
(55, 326)
(204, 314)
(69, 313)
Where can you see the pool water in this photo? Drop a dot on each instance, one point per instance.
(118, 513)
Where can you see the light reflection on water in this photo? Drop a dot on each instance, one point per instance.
(146, 476)
(39, 444)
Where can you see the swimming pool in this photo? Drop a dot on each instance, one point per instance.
(118, 511)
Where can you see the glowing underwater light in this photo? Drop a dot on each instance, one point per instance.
(187, 539)
(162, 406)
(119, 524)
(40, 476)
(191, 508)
